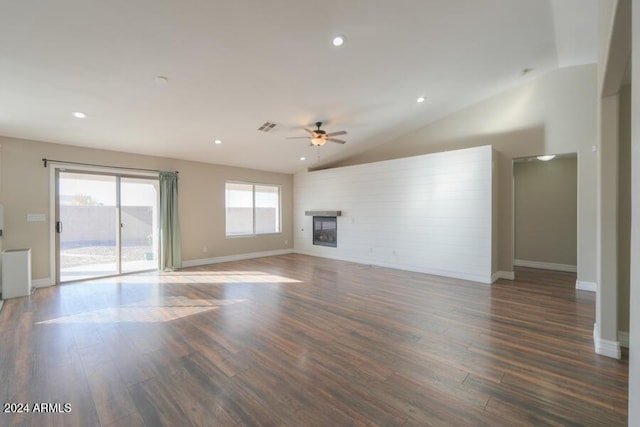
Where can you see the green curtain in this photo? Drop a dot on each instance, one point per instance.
(170, 221)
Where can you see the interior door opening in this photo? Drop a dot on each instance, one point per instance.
(545, 209)
(106, 225)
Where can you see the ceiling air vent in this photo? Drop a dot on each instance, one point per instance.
(268, 126)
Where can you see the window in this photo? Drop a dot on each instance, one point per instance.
(252, 209)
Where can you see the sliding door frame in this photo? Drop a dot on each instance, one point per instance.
(54, 211)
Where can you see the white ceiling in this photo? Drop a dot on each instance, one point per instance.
(232, 65)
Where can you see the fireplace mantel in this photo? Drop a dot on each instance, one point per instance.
(323, 213)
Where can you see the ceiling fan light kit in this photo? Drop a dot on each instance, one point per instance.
(319, 137)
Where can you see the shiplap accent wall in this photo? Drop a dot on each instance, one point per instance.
(429, 213)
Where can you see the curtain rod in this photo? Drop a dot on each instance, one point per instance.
(46, 161)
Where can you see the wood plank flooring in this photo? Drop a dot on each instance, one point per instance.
(301, 341)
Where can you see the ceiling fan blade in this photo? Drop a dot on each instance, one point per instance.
(297, 137)
(339, 141)
(309, 130)
(341, 132)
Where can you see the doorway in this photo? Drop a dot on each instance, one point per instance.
(546, 212)
(106, 224)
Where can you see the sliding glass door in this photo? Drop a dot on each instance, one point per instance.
(139, 218)
(106, 225)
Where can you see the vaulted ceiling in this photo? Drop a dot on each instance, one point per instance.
(229, 66)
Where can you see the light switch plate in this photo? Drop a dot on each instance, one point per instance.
(36, 217)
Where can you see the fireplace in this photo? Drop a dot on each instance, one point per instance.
(325, 231)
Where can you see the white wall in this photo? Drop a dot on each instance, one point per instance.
(624, 209)
(429, 213)
(552, 114)
(634, 323)
(614, 57)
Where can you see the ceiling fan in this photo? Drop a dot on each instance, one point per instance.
(318, 137)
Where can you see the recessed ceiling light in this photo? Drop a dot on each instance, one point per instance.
(303, 158)
(547, 157)
(420, 100)
(217, 142)
(338, 41)
(79, 115)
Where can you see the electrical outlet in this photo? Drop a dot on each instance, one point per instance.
(205, 249)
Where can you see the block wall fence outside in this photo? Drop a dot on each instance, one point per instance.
(429, 213)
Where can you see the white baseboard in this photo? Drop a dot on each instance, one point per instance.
(606, 347)
(623, 337)
(42, 283)
(586, 286)
(403, 267)
(238, 257)
(508, 275)
(545, 265)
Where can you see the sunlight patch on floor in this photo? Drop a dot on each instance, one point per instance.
(211, 277)
(161, 309)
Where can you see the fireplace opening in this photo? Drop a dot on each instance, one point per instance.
(325, 231)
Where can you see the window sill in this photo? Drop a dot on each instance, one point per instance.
(239, 236)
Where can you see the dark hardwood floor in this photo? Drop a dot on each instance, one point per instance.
(300, 341)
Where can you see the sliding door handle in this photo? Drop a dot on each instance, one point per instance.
(58, 227)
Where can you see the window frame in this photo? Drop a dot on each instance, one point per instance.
(253, 209)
